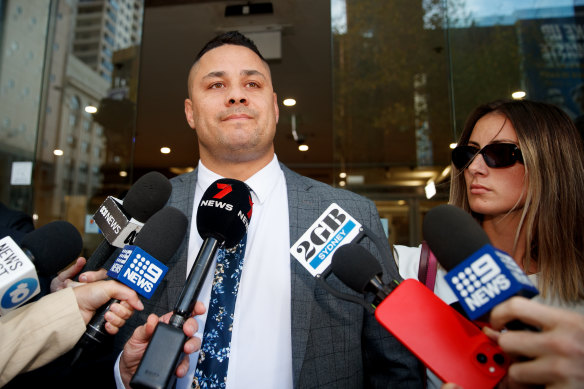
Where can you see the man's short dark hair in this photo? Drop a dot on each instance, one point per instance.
(229, 38)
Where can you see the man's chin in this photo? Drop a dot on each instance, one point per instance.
(246, 153)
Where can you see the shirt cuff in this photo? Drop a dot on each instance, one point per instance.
(117, 374)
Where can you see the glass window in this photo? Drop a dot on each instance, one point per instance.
(74, 103)
(382, 91)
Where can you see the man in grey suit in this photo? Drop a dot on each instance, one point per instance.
(288, 332)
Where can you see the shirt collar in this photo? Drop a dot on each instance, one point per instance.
(262, 183)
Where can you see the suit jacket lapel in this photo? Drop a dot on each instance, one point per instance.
(182, 198)
(303, 209)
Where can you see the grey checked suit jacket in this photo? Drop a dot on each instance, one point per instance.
(335, 344)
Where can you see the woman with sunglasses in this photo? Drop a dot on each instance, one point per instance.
(519, 170)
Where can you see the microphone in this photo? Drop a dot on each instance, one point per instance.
(480, 275)
(140, 266)
(222, 220)
(120, 221)
(365, 278)
(447, 343)
(45, 250)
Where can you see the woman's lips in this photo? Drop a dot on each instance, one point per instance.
(478, 189)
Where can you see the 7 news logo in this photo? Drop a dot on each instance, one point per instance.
(224, 190)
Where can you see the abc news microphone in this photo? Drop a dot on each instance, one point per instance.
(140, 266)
(45, 250)
(120, 221)
(223, 217)
(451, 346)
(480, 275)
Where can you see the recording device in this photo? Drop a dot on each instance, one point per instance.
(222, 219)
(480, 275)
(140, 266)
(452, 347)
(45, 250)
(120, 221)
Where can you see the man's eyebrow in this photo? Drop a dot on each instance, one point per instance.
(252, 73)
(245, 72)
(216, 74)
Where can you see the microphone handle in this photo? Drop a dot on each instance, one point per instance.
(96, 327)
(187, 299)
(94, 334)
(156, 369)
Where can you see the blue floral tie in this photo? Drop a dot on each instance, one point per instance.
(211, 371)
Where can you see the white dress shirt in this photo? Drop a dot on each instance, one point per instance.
(261, 342)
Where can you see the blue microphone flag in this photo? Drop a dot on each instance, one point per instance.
(138, 270)
(487, 278)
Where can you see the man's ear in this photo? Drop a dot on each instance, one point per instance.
(276, 109)
(189, 113)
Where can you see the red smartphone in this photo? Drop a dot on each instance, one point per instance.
(450, 345)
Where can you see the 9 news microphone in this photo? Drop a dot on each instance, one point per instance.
(480, 275)
(45, 250)
(447, 343)
(140, 266)
(222, 220)
(120, 221)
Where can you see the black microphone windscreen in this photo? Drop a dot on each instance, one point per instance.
(225, 211)
(163, 233)
(53, 246)
(355, 266)
(452, 234)
(148, 194)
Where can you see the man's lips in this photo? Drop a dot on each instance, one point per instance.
(236, 116)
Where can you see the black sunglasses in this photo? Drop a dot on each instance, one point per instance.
(494, 154)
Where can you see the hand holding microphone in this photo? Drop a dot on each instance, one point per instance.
(552, 338)
(136, 346)
(447, 343)
(223, 217)
(35, 334)
(140, 266)
(90, 297)
(556, 353)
